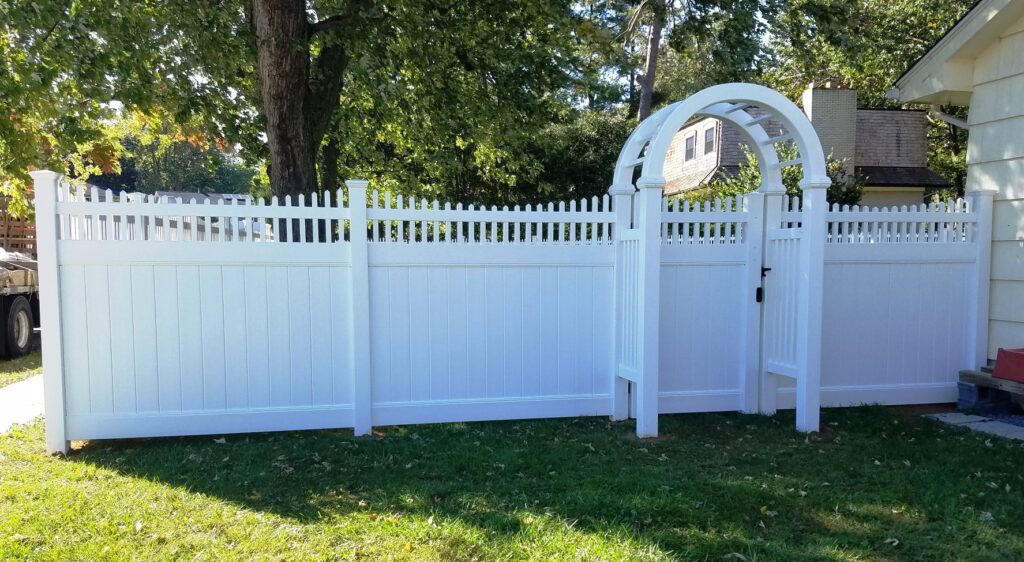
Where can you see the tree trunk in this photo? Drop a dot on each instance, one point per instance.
(651, 65)
(282, 54)
(329, 166)
(298, 93)
(329, 178)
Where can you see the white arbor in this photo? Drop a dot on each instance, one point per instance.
(780, 342)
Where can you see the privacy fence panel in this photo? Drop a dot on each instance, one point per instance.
(179, 318)
(479, 314)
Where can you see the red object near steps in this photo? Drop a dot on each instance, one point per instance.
(1009, 365)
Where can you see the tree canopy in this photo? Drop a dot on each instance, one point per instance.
(491, 101)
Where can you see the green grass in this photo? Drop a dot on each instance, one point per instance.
(874, 485)
(20, 369)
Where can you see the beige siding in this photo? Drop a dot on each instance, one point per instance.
(892, 197)
(995, 159)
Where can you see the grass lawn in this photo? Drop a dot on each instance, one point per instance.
(21, 368)
(876, 484)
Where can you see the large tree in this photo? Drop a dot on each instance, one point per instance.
(276, 76)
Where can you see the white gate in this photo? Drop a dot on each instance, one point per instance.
(792, 272)
(780, 295)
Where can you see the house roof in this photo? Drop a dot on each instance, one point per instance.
(901, 176)
(944, 74)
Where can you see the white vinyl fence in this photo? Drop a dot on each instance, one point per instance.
(171, 317)
(169, 326)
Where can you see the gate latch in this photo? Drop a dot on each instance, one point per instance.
(759, 294)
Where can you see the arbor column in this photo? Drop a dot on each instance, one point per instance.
(648, 222)
(622, 204)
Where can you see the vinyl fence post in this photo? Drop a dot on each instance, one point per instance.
(811, 305)
(46, 186)
(750, 367)
(648, 216)
(622, 203)
(977, 346)
(362, 401)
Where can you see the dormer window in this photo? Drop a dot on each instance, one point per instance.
(691, 147)
(709, 140)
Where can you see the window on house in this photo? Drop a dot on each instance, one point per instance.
(709, 140)
(691, 144)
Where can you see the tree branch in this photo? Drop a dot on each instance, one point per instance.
(340, 20)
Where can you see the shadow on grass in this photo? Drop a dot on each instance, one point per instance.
(712, 485)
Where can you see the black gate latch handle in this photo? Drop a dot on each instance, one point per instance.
(759, 294)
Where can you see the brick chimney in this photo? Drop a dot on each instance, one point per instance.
(832, 110)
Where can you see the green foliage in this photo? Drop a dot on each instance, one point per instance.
(846, 188)
(947, 151)
(62, 63)
(863, 44)
(448, 103)
(578, 156)
(721, 39)
(158, 155)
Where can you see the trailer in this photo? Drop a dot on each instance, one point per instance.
(19, 303)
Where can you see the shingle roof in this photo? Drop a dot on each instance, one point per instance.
(899, 176)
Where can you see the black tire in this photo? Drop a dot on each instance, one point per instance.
(18, 328)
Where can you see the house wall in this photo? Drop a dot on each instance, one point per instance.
(891, 196)
(679, 173)
(733, 142)
(995, 160)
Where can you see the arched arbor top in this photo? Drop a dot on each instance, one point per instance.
(648, 145)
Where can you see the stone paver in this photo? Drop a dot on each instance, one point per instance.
(21, 402)
(957, 418)
(981, 424)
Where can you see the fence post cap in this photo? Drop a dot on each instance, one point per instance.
(815, 183)
(357, 184)
(621, 189)
(651, 182)
(42, 175)
(771, 187)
